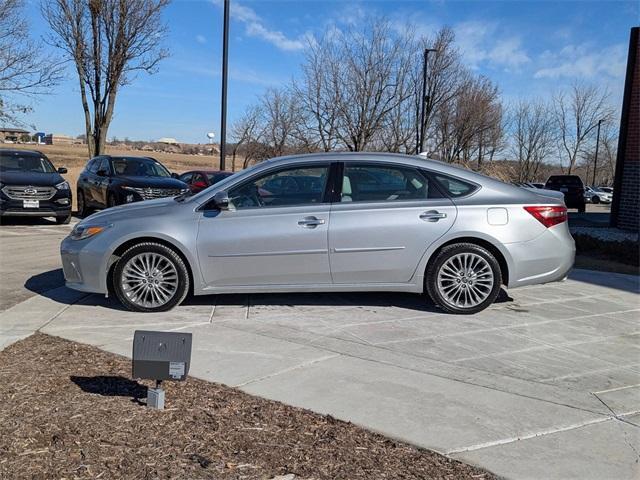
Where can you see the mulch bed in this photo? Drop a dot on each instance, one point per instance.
(69, 410)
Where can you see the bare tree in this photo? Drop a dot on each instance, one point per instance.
(370, 68)
(577, 114)
(23, 69)
(532, 137)
(109, 41)
(245, 133)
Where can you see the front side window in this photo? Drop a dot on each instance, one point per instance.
(10, 162)
(139, 167)
(382, 183)
(287, 187)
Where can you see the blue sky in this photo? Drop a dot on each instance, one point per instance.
(529, 48)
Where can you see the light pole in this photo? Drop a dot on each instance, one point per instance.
(595, 160)
(223, 108)
(424, 98)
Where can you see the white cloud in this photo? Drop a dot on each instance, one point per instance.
(481, 42)
(583, 61)
(255, 27)
(201, 39)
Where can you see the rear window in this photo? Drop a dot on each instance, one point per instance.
(454, 186)
(569, 180)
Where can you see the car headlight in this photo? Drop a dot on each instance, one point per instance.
(63, 186)
(81, 232)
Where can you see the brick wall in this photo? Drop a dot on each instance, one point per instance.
(625, 210)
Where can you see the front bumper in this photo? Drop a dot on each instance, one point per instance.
(83, 265)
(58, 206)
(547, 258)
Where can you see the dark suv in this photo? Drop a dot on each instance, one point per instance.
(30, 186)
(108, 181)
(571, 186)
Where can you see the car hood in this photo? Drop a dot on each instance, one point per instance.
(151, 182)
(127, 211)
(31, 178)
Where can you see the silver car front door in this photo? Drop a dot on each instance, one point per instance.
(275, 232)
(387, 217)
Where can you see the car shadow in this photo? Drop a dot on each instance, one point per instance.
(111, 386)
(47, 284)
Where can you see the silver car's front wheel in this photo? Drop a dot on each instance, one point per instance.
(463, 278)
(150, 277)
(149, 280)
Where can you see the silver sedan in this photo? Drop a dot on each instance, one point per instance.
(327, 222)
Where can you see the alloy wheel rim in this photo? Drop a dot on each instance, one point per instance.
(149, 280)
(465, 280)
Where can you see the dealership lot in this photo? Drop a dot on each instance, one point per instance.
(545, 383)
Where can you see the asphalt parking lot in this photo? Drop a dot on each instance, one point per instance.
(544, 384)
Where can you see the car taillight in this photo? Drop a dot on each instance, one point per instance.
(548, 216)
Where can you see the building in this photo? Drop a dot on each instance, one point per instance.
(168, 140)
(57, 139)
(625, 208)
(13, 134)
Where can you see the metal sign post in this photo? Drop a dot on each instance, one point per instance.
(160, 356)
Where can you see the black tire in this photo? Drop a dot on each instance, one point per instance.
(436, 263)
(63, 220)
(170, 255)
(83, 210)
(111, 200)
(595, 199)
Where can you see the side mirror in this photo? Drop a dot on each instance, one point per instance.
(101, 173)
(62, 170)
(221, 200)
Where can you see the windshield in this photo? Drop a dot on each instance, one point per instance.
(10, 162)
(139, 167)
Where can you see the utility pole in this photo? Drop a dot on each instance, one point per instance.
(223, 109)
(424, 99)
(595, 160)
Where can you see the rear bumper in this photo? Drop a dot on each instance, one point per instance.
(547, 258)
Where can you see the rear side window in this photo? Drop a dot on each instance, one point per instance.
(454, 186)
(385, 183)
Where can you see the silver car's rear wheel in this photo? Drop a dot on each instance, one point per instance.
(465, 280)
(149, 280)
(150, 277)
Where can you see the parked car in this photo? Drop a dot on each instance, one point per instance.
(30, 186)
(607, 189)
(198, 180)
(107, 181)
(421, 226)
(572, 188)
(596, 195)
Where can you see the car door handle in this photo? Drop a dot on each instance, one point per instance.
(432, 216)
(311, 222)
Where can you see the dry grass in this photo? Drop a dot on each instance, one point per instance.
(70, 411)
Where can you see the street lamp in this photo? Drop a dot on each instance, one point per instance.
(595, 160)
(223, 109)
(424, 98)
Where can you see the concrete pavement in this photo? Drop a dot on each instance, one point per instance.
(544, 384)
